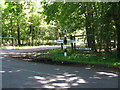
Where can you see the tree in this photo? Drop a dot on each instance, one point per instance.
(73, 16)
(114, 12)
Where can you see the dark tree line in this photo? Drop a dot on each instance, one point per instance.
(100, 20)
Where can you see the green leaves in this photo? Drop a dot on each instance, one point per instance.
(61, 12)
(49, 21)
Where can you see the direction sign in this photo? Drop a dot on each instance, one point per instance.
(68, 41)
(59, 41)
(83, 48)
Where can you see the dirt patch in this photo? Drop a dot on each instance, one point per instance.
(26, 56)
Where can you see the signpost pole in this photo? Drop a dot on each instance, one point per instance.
(65, 42)
(71, 37)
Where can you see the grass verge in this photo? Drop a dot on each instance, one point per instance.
(7, 48)
(109, 60)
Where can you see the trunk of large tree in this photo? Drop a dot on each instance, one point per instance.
(18, 32)
(116, 16)
(32, 35)
(101, 39)
(90, 29)
(114, 43)
(107, 38)
(12, 32)
(117, 24)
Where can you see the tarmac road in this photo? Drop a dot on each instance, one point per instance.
(22, 74)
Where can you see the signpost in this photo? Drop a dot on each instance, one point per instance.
(68, 41)
(65, 41)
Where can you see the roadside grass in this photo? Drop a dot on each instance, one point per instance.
(5, 48)
(86, 58)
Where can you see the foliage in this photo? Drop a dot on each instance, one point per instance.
(33, 23)
(96, 18)
(25, 22)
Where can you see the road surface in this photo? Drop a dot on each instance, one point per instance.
(22, 74)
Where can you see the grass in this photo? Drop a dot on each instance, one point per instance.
(80, 57)
(5, 48)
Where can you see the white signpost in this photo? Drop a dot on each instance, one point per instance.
(65, 41)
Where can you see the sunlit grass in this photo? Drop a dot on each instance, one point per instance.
(3, 48)
(10, 48)
(23, 47)
(79, 57)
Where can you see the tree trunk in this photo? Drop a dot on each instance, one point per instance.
(18, 32)
(115, 15)
(56, 34)
(90, 28)
(32, 35)
(117, 24)
(101, 39)
(114, 44)
(12, 32)
(107, 36)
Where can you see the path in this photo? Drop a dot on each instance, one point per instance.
(29, 49)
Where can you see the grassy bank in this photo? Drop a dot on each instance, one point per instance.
(80, 57)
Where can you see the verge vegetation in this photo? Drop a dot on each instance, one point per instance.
(109, 60)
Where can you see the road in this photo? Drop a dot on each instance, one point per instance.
(22, 74)
(29, 49)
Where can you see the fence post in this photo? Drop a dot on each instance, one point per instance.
(61, 43)
(62, 46)
(74, 43)
(71, 38)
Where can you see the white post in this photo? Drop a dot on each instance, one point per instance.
(65, 53)
(65, 42)
(65, 50)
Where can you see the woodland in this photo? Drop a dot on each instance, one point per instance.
(40, 23)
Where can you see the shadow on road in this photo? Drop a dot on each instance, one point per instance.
(62, 78)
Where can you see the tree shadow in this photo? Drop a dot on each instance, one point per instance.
(61, 77)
